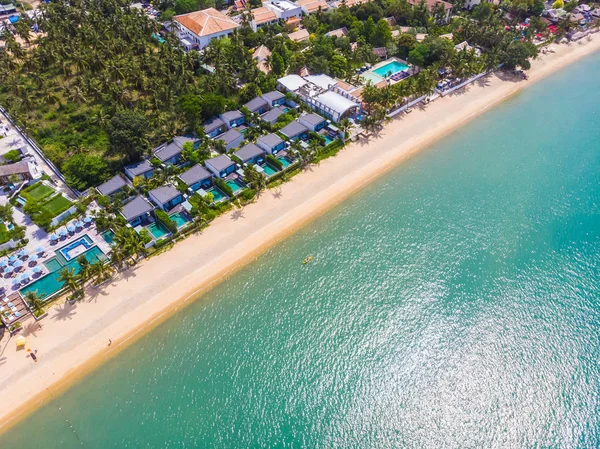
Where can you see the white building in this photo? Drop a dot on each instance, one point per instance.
(283, 9)
(261, 17)
(197, 29)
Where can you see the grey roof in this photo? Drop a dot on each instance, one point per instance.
(195, 174)
(220, 162)
(213, 124)
(18, 168)
(293, 129)
(249, 151)
(136, 207)
(112, 185)
(165, 193)
(255, 104)
(273, 96)
(231, 115)
(229, 136)
(167, 151)
(313, 119)
(272, 115)
(271, 140)
(4, 9)
(140, 168)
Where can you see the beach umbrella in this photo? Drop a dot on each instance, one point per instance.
(33, 258)
(23, 253)
(39, 250)
(62, 232)
(18, 264)
(87, 219)
(11, 259)
(8, 269)
(79, 224)
(3, 263)
(37, 270)
(71, 228)
(53, 237)
(21, 341)
(15, 282)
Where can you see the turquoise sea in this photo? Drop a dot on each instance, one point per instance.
(454, 303)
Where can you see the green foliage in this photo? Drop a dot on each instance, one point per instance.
(166, 220)
(222, 185)
(247, 196)
(274, 162)
(570, 6)
(12, 156)
(36, 192)
(127, 135)
(82, 171)
(145, 236)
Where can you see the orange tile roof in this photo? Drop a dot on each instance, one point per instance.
(263, 15)
(261, 53)
(206, 22)
(299, 36)
(313, 5)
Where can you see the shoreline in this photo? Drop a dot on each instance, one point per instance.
(73, 341)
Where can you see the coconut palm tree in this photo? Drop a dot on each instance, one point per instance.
(68, 277)
(100, 269)
(84, 268)
(35, 302)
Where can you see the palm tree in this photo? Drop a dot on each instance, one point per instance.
(84, 268)
(35, 302)
(68, 278)
(254, 178)
(100, 269)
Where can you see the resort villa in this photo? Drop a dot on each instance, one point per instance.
(312, 6)
(299, 36)
(137, 211)
(271, 143)
(12, 142)
(295, 131)
(283, 9)
(196, 178)
(257, 105)
(196, 29)
(251, 154)
(274, 98)
(260, 55)
(170, 152)
(313, 122)
(143, 169)
(232, 138)
(220, 166)
(232, 119)
(272, 115)
(113, 186)
(22, 170)
(166, 197)
(262, 16)
(214, 127)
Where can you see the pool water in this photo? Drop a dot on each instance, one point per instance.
(235, 186)
(180, 219)
(76, 248)
(328, 139)
(390, 68)
(108, 237)
(50, 284)
(270, 171)
(284, 161)
(157, 230)
(217, 194)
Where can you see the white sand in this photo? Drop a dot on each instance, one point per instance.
(74, 339)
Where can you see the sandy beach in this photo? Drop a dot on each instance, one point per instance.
(74, 339)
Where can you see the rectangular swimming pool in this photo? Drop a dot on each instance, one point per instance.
(284, 161)
(76, 248)
(108, 236)
(179, 218)
(235, 185)
(50, 284)
(269, 171)
(157, 230)
(217, 194)
(390, 68)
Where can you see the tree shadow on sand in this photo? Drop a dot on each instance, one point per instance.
(64, 312)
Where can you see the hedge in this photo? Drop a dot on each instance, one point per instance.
(274, 162)
(222, 185)
(166, 220)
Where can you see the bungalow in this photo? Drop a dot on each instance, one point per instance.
(197, 177)
(257, 105)
(113, 186)
(262, 16)
(137, 211)
(274, 98)
(169, 153)
(314, 122)
(23, 170)
(260, 55)
(340, 32)
(232, 119)
(299, 36)
(232, 138)
(143, 169)
(294, 131)
(198, 28)
(251, 154)
(220, 166)
(215, 127)
(271, 143)
(273, 115)
(166, 197)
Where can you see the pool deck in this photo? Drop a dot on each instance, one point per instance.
(371, 72)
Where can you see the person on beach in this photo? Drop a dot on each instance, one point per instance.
(109, 342)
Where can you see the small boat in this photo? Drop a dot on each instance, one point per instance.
(308, 259)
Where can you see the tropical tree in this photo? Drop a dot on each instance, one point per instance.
(84, 268)
(35, 302)
(100, 269)
(254, 178)
(68, 278)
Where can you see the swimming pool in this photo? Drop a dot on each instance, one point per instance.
(270, 171)
(284, 161)
(328, 139)
(76, 248)
(217, 194)
(180, 219)
(50, 284)
(390, 68)
(108, 236)
(235, 185)
(157, 230)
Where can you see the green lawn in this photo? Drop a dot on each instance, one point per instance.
(37, 192)
(4, 235)
(57, 205)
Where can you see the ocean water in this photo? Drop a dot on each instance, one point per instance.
(454, 303)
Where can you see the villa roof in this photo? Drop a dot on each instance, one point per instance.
(299, 36)
(263, 15)
(255, 104)
(167, 151)
(313, 5)
(340, 32)
(249, 151)
(139, 168)
(213, 124)
(111, 186)
(261, 53)
(272, 115)
(336, 102)
(321, 80)
(313, 119)
(165, 193)
(220, 162)
(273, 96)
(270, 140)
(293, 129)
(136, 207)
(206, 22)
(18, 168)
(229, 136)
(231, 115)
(194, 174)
(292, 82)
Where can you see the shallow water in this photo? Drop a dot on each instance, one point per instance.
(454, 303)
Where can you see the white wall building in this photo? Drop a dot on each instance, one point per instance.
(283, 9)
(197, 29)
